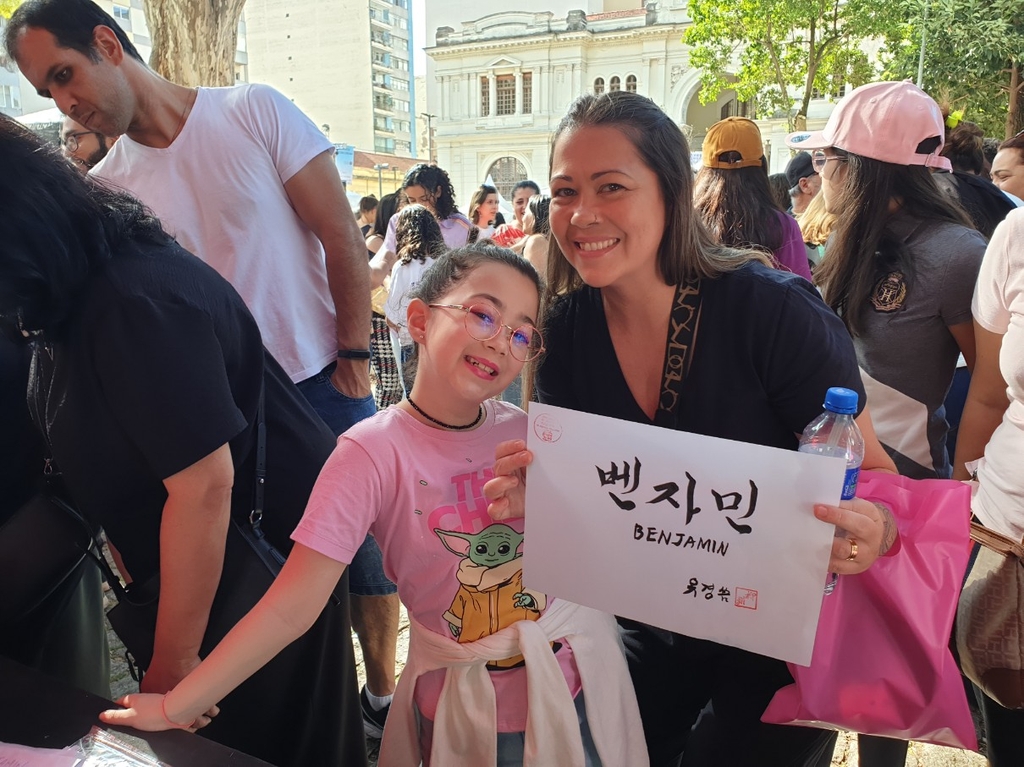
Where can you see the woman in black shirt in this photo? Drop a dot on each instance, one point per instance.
(627, 247)
(146, 377)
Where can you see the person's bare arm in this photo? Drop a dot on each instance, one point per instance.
(964, 336)
(536, 252)
(381, 265)
(286, 612)
(986, 404)
(875, 457)
(317, 194)
(193, 533)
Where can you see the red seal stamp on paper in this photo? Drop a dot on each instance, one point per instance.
(746, 598)
(547, 428)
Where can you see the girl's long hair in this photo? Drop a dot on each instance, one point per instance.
(58, 227)
(863, 248)
(737, 206)
(417, 235)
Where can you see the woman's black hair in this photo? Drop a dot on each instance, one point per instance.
(737, 206)
(417, 235)
(431, 178)
(479, 197)
(71, 22)
(452, 267)
(538, 205)
(58, 227)
(862, 248)
(386, 208)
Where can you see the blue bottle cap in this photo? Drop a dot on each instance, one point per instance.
(841, 400)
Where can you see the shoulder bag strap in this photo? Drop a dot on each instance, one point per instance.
(256, 515)
(997, 542)
(682, 333)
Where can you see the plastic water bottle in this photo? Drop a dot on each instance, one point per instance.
(835, 433)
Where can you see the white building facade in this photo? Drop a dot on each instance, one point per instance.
(501, 83)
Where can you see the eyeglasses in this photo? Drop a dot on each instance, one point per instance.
(483, 323)
(70, 141)
(819, 159)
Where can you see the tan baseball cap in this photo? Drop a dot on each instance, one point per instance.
(733, 134)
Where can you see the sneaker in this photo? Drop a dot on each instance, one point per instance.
(373, 721)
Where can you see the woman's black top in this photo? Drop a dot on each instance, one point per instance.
(161, 364)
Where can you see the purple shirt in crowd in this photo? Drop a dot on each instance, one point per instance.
(792, 255)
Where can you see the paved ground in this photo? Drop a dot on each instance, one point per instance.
(920, 755)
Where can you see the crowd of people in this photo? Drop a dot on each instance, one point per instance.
(195, 316)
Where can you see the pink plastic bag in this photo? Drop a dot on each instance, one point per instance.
(881, 663)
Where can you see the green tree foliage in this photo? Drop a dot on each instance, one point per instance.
(780, 51)
(7, 7)
(974, 52)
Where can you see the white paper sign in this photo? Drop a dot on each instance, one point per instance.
(706, 537)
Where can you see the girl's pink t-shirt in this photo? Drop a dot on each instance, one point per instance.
(419, 491)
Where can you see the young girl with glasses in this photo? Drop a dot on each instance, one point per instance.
(414, 477)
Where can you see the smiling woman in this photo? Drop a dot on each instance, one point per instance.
(632, 269)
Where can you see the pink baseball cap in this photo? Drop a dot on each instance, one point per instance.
(883, 121)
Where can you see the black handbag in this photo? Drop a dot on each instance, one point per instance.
(41, 546)
(250, 565)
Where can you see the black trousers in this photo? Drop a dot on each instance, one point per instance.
(1004, 731)
(676, 678)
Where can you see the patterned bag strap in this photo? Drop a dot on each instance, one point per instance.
(996, 542)
(682, 333)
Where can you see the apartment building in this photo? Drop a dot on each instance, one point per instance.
(348, 64)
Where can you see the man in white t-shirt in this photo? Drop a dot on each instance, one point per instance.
(240, 177)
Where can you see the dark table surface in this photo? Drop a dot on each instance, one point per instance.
(41, 711)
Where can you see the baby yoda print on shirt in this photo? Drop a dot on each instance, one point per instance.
(491, 594)
(488, 587)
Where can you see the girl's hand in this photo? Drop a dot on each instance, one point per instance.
(506, 493)
(145, 711)
(869, 533)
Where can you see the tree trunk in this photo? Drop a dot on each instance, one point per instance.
(1015, 112)
(194, 41)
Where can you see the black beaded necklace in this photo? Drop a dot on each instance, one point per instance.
(442, 424)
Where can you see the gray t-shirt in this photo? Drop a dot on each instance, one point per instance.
(906, 353)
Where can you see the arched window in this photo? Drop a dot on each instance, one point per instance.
(506, 172)
(614, 85)
(599, 85)
(631, 83)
